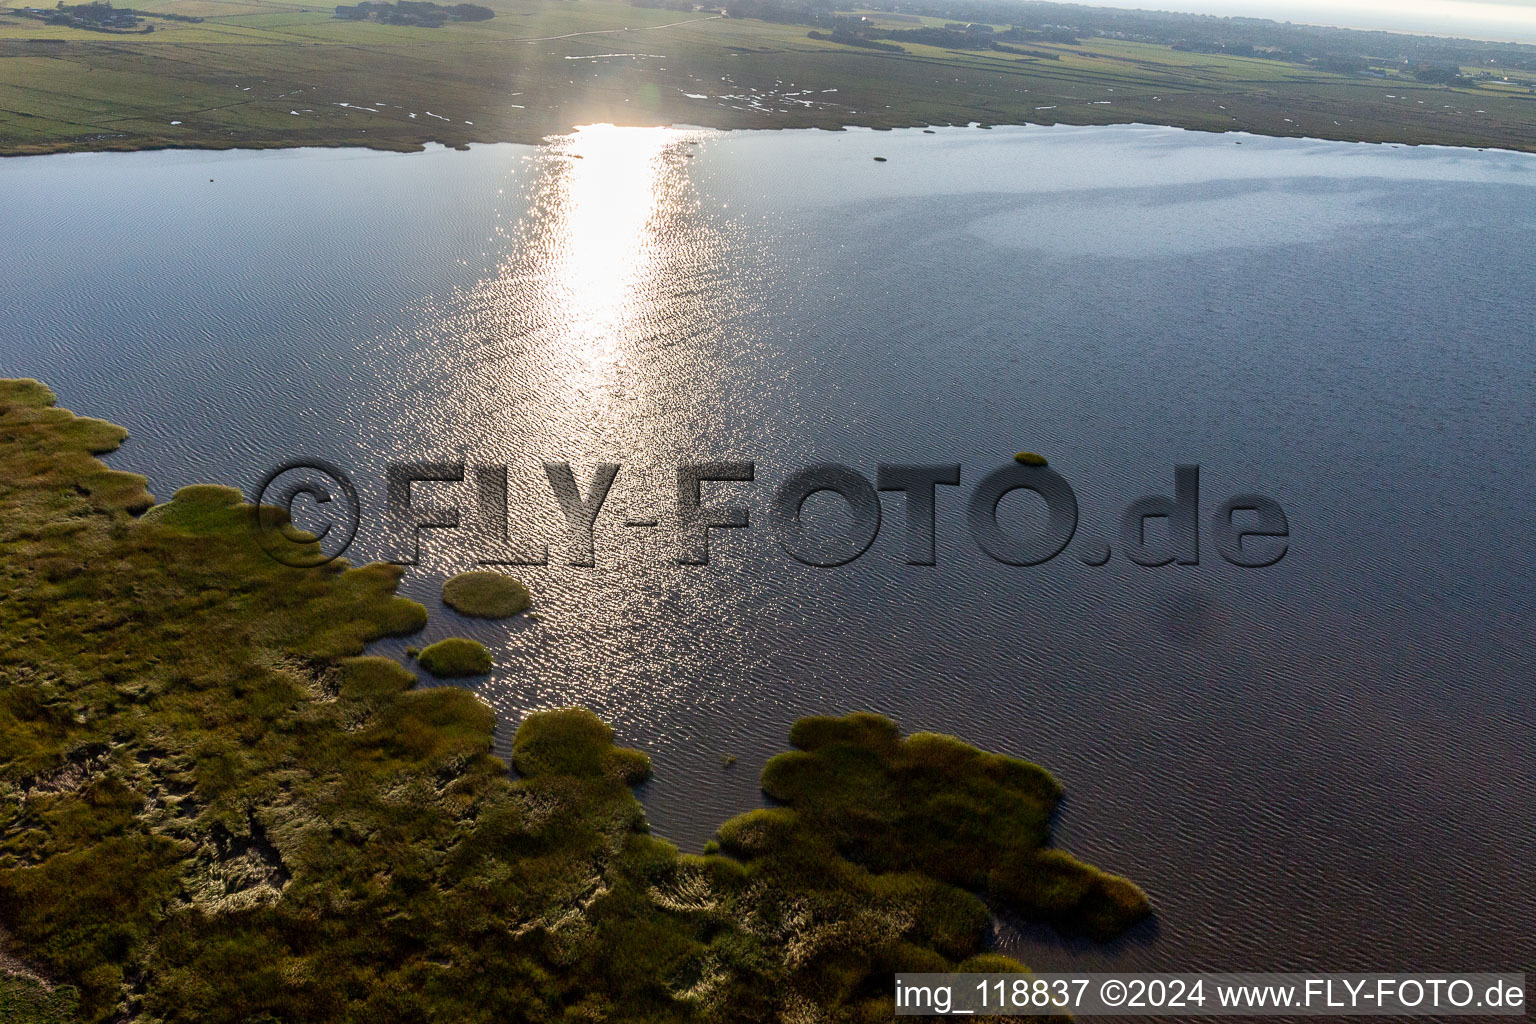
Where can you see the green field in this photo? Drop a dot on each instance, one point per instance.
(256, 73)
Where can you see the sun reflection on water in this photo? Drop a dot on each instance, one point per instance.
(617, 306)
(603, 237)
(606, 303)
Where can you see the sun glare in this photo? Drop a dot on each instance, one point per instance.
(603, 238)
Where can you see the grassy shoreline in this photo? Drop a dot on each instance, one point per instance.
(422, 145)
(215, 808)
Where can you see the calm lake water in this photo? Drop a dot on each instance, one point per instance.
(1328, 763)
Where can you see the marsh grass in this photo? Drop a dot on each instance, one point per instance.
(935, 805)
(486, 595)
(215, 809)
(26, 1001)
(455, 658)
(575, 742)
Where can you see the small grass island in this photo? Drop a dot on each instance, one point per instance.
(486, 595)
(455, 658)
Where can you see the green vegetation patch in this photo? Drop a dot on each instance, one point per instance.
(165, 706)
(486, 595)
(214, 809)
(26, 1001)
(934, 805)
(456, 657)
(574, 741)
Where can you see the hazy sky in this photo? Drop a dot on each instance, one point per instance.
(1478, 19)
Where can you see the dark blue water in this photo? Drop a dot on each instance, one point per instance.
(1326, 763)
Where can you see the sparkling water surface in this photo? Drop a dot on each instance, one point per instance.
(1323, 764)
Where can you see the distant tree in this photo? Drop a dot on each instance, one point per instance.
(1436, 75)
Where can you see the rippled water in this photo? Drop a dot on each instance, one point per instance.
(1324, 763)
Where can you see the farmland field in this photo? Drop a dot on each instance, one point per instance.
(254, 73)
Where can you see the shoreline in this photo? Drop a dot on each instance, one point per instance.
(221, 776)
(535, 140)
